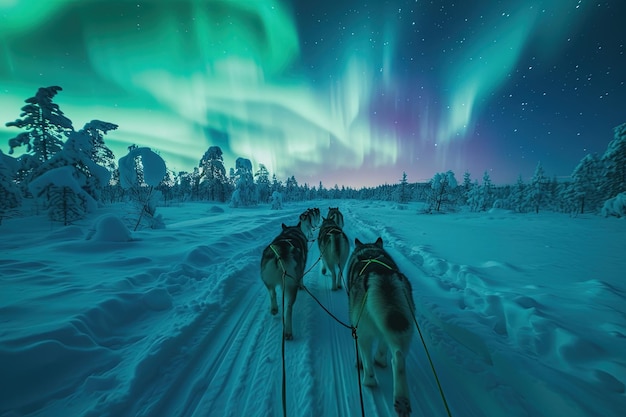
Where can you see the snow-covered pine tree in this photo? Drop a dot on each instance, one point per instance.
(518, 195)
(263, 183)
(101, 154)
(487, 193)
(614, 160)
(585, 184)
(292, 192)
(65, 205)
(402, 193)
(10, 196)
(213, 174)
(245, 194)
(45, 124)
(536, 194)
(474, 197)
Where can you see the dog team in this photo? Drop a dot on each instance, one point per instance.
(380, 297)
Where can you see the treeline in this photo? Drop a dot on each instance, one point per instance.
(68, 173)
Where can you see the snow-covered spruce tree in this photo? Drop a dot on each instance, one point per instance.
(45, 128)
(402, 191)
(467, 185)
(518, 195)
(213, 174)
(584, 192)
(292, 191)
(442, 188)
(263, 183)
(95, 130)
(245, 194)
(61, 194)
(614, 161)
(536, 195)
(487, 193)
(10, 196)
(474, 197)
(140, 172)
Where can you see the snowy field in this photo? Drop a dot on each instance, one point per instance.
(523, 315)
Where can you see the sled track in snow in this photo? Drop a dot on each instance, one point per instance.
(206, 368)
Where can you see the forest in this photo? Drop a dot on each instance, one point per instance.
(68, 173)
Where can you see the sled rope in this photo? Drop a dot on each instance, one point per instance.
(432, 366)
(284, 387)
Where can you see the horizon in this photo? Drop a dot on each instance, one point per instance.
(352, 94)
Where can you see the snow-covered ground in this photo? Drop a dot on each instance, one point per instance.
(523, 315)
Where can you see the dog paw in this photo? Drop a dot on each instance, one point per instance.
(402, 406)
(288, 336)
(273, 311)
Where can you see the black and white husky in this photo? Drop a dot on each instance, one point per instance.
(283, 264)
(381, 308)
(334, 250)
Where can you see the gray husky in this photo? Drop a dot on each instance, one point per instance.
(334, 250)
(336, 215)
(381, 308)
(283, 264)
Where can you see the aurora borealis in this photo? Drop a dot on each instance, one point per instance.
(343, 92)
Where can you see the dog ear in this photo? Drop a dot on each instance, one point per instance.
(357, 242)
(379, 242)
(284, 226)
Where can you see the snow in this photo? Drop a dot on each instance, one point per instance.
(523, 315)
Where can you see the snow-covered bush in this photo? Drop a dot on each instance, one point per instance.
(615, 206)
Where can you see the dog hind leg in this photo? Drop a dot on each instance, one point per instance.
(401, 402)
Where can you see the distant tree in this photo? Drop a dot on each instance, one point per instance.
(245, 194)
(213, 174)
(402, 191)
(276, 185)
(474, 197)
(292, 193)
(442, 187)
(10, 196)
(487, 192)
(536, 195)
(518, 195)
(263, 183)
(614, 161)
(585, 184)
(466, 187)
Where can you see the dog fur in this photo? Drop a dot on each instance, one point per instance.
(283, 264)
(381, 308)
(336, 215)
(334, 249)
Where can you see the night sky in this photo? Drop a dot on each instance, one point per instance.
(348, 92)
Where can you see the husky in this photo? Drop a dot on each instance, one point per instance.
(316, 217)
(283, 264)
(336, 215)
(334, 250)
(381, 308)
(306, 224)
